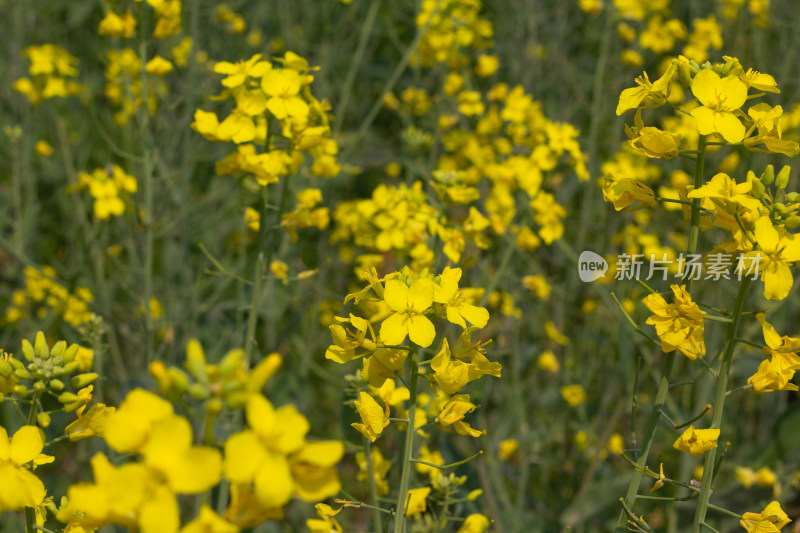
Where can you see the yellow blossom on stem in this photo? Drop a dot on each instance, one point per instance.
(625, 192)
(679, 325)
(719, 97)
(20, 488)
(770, 520)
(777, 251)
(697, 441)
(656, 91)
(777, 371)
(408, 304)
(374, 419)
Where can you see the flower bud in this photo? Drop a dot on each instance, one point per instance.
(81, 380)
(726, 69)
(793, 221)
(27, 349)
(179, 379)
(58, 349)
(39, 387)
(5, 368)
(71, 367)
(198, 391)
(16, 363)
(779, 207)
(214, 406)
(56, 385)
(70, 353)
(22, 373)
(20, 391)
(782, 179)
(768, 175)
(793, 197)
(231, 362)
(40, 346)
(758, 189)
(67, 397)
(43, 420)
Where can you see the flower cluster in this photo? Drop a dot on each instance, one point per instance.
(52, 74)
(44, 293)
(269, 98)
(110, 188)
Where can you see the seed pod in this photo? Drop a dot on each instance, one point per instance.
(768, 175)
(782, 179)
(43, 420)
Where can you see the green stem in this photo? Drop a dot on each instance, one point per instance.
(147, 171)
(387, 87)
(363, 38)
(408, 450)
(377, 521)
(30, 512)
(649, 436)
(719, 404)
(694, 229)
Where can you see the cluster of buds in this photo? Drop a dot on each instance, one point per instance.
(770, 188)
(226, 384)
(48, 370)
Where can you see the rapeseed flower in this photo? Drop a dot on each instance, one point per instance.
(720, 98)
(679, 325)
(697, 441)
(20, 488)
(408, 303)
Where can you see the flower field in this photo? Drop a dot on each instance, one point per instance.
(399, 266)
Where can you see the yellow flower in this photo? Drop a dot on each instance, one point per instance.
(20, 488)
(415, 500)
(326, 523)
(776, 253)
(115, 25)
(624, 192)
(573, 394)
(507, 449)
(158, 66)
(657, 91)
(283, 86)
(548, 362)
(453, 414)
(770, 520)
(679, 325)
(90, 424)
(697, 441)
(209, 521)
(408, 304)
(475, 523)
(374, 418)
(776, 372)
(314, 470)
(237, 73)
(458, 307)
(727, 194)
(720, 97)
(43, 149)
